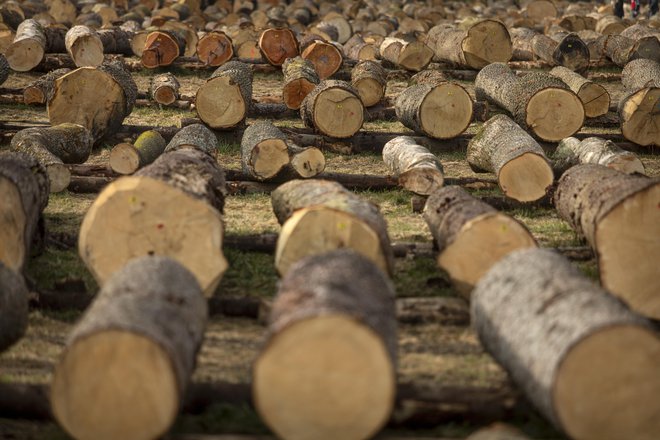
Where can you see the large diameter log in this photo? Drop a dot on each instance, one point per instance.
(127, 159)
(172, 207)
(416, 168)
(13, 301)
(408, 54)
(264, 151)
(84, 46)
(441, 111)
(502, 147)
(300, 78)
(326, 57)
(164, 88)
(638, 110)
(328, 369)
(370, 80)
(43, 88)
(161, 48)
(4, 69)
(572, 151)
(538, 101)
(471, 235)
(153, 313)
(595, 98)
(334, 109)
(618, 215)
(215, 49)
(24, 190)
(98, 98)
(225, 100)
(278, 44)
(319, 216)
(546, 327)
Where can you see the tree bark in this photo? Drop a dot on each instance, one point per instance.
(572, 151)
(225, 100)
(13, 306)
(621, 50)
(300, 78)
(358, 49)
(127, 158)
(43, 88)
(264, 151)
(31, 43)
(370, 80)
(164, 88)
(408, 54)
(640, 120)
(117, 40)
(417, 169)
(4, 69)
(194, 136)
(84, 46)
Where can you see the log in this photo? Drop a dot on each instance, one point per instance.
(341, 330)
(568, 51)
(326, 57)
(498, 431)
(610, 25)
(358, 49)
(128, 158)
(43, 88)
(641, 73)
(98, 98)
(13, 296)
(305, 162)
(4, 69)
(547, 326)
(162, 47)
(215, 48)
(440, 111)
(319, 216)
(595, 150)
(300, 78)
(264, 151)
(502, 147)
(278, 44)
(225, 100)
(471, 235)
(538, 102)
(31, 43)
(118, 40)
(407, 53)
(84, 46)
(333, 108)
(172, 207)
(595, 98)
(638, 108)
(617, 214)
(164, 89)
(416, 168)
(24, 190)
(153, 312)
(621, 50)
(370, 81)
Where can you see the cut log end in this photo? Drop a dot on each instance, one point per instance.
(415, 56)
(640, 119)
(370, 91)
(295, 91)
(308, 163)
(628, 243)
(221, 113)
(353, 402)
(165, 96)
(269, 157)
(12, 226)
(487, 42)
(422, 180)
(325, 57)
(595, 99)
(59, 177)
(87, 50)
(24, 55)
(526, 178)
(630, 409)
(143, 405)
(338, 113)
(446, 111)
(33, 95)
(160, 49)
(124, 159)
(554, 114)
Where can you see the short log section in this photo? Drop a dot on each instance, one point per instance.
(370, 80)
(42, 89)
(417, 169)
(326, 57)
(638, 109)
(334, 109)
(572, 151)
(225, 100)
(14, 297)
(161, 48)
(278, 44)
(84, 46)
(408, 53)
(127, 158)
(264, 151)
(215, 48)
(595, 98)
(300, 78)
(164, 88)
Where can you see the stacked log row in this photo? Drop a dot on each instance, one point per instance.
(225, 100)
(4, 69)
(84, 46)
(162, 47)
(538, 102)
(595, 98)
(215, 48)
(172, 207)
(334, 316)
(13, 298)
(569, 51)
(319, 216)
(164, 88)
(618, 215)
(42, 89)
(300, 78)
(153, 312)
(572, 151)
(31, 43)
(334, 109)
(128, 158)
(370, 80)
(407, 53)
(53, 147)
(471, 235)
(546, 327)
(638, 110)
(97, 98)
(278, 44)
(502, 147)
(326, 57)
(416, 168)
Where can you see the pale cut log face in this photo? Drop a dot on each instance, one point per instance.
(370, 91)
(595, 99)
(487, 42)
(87, 51)
(59, 177)
(446, 111)
(220, 103)
(115, 385)
(338, 113)
(159, 50)
(554, 114)
(526, 178)
(640, 117)
(422, 180)
(137, 43)
(628, 248)
(608, 386)
(415, 56)
(269, 157)
(24, 55)
(124, 159)
(309, 163)
(327, 377)
(12, 226)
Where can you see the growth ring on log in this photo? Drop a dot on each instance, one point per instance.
(446, 111)
(225, 112)
(554, 114)
(529, 167)
(487, 42)
(640, 118)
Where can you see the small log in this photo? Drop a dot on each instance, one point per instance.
(161, 48)
(128, 158)
(370, 81)
(225, 100)
(408, 53)
(84, 46)
(305, 162)
(547, 326)
(320, 215)
(595, 150)
(341, 329)
(595, 98)
(43, 88)
(416, 168)
(502, 147)
(567, 50)
(300, 78)
(4, 69)
(617, 213)
(471, 235)
(610, 25)
(264, 151)
(326, 57)
(31, 43)
(638, 109)
(334, 109)
(359, 50)
(215, 48)
(153, 311)
(164, 89)
(278, 44)
(13, 295)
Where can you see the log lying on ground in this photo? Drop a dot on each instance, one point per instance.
(264, 150)
(4, 69)
(638, 110)
(161, 48)
(502, 147)
(484, 42)
(416, 168)
(319, 216)
(595, 98)
(164, 88)
(546, 327)
(471, 235)
(569, 51)
(326, 57)
(334, 109)
(127, 159)
(300, 78)
(370, 80)
(334, 314)
(154, 313)
(97, 98)
(595, 150)
(498, 431)
(24, 190)
(356, 48)
(538, 102)
(84, 46)
(278, 44)
(13, 299)
(53, 147)
(618, 215)
(32, 41)
(42, 89)
(172, 207)
(225, 100)
(621, 50)
(215, 48)
(408, 53)
(305, 162)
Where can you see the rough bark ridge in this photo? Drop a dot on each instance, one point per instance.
(622, 50)
(116, 40)
(42, 89)
(496, 83)
(4, 69)
(117, 70)
(71, 143)
(300, 78)
(572, 151)
(194, 136)
(594, 97)
(641, 73)
(404, 157)
(13, 307)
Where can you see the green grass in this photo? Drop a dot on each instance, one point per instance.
(249, 274)
(55, 265)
